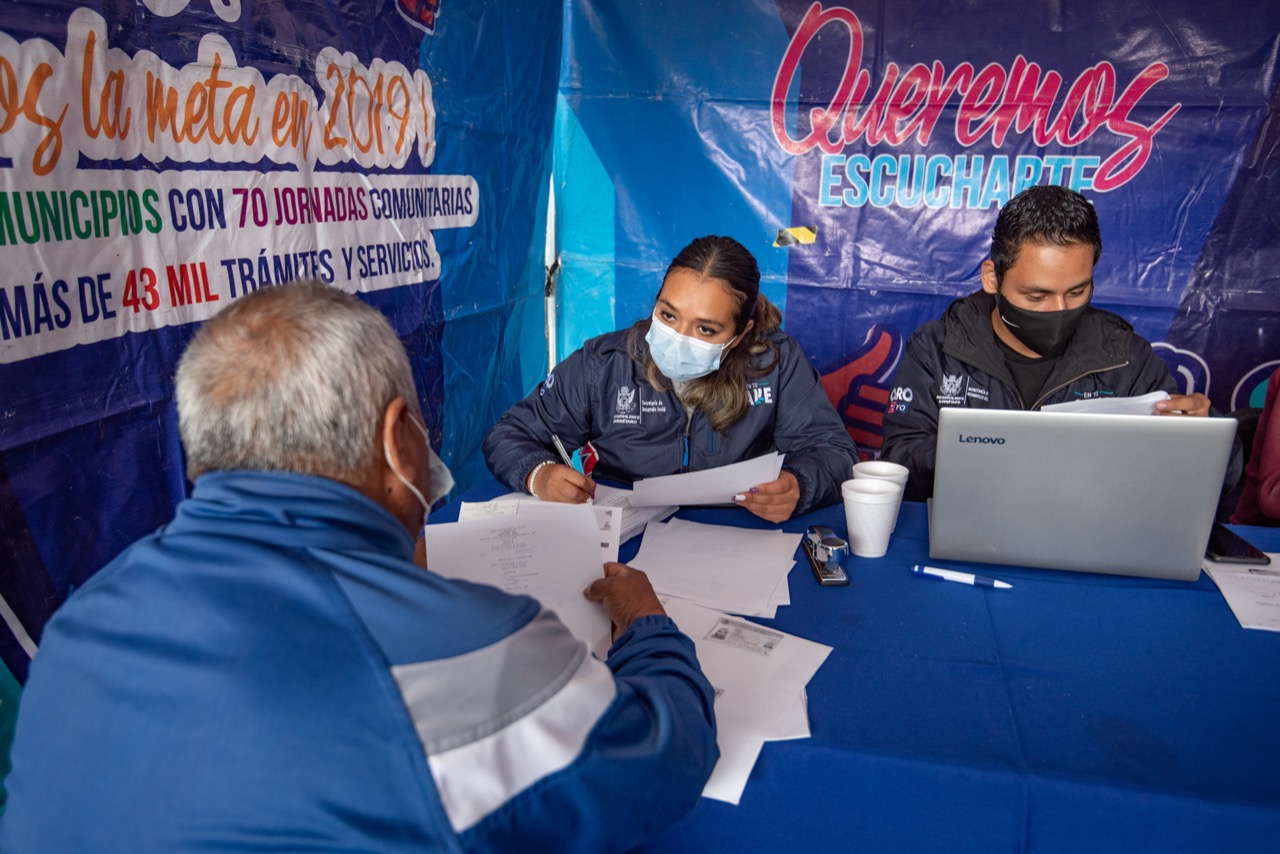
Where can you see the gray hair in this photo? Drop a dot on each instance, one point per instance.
(292, 378)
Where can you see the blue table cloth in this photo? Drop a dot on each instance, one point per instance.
(1075, 712)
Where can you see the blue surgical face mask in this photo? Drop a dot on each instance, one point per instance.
(680, 357)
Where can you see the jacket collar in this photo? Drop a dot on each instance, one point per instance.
(1101, 341)
(300, 511)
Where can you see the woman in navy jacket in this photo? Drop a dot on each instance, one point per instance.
(710, 379)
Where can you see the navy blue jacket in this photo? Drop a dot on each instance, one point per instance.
(599, 394)
(271, 672)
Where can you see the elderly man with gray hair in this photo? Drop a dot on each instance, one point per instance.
(272, 670)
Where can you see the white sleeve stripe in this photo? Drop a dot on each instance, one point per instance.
(456, 700)
(479, 777)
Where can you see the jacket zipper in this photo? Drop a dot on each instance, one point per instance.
(1073, 379)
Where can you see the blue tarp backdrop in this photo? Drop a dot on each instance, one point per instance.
(896, 131)
(161, 158)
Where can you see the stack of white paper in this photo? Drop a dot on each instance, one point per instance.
(739, 570)
(759, 675)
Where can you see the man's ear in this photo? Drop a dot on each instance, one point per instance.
(390, 438)
(402, 452)
(989, 283)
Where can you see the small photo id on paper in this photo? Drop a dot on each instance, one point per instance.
(744, 635)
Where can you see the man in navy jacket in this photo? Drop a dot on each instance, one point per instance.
(1029, 338)
(272, 671)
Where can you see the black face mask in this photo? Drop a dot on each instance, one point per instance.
(1045, 332)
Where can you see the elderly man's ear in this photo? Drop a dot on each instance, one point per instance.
(404, 453)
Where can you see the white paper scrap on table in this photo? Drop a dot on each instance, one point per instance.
(1252, 592)
(718, 566)
(709, 486)
(759, 674)
(549, 556)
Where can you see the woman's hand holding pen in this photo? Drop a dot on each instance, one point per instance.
(556, 482)
(775, 500)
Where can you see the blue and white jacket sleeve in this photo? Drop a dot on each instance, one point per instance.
(558, 751)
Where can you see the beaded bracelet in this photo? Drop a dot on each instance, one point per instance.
(534, 474)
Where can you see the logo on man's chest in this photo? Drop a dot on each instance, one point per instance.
(951, 389)
(759, 393)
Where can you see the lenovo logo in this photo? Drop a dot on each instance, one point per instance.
(982, 440)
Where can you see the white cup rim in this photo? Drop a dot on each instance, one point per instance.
(871, 487)
(880, 468)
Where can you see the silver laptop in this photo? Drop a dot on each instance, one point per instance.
(1120, 494)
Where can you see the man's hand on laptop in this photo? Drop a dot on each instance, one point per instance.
(1184, 404)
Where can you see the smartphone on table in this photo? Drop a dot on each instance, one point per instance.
(1226, 546)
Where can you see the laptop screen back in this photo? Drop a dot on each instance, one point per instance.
(1120, 494)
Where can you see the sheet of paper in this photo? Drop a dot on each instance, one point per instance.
(551, 556)
(709, 486)
(608, 519)
(794, 722)
(503, 505)
(1141, 405)
(718, 566)
(633, 518)
(1253, 592)
(782, 593)
(759, 674)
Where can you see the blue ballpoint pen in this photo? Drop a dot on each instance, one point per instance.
(961, 577)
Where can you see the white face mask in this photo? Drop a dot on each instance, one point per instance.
(439, 474)
(680, 357)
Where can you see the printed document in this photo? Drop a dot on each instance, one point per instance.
(1253, 592)
(551, 556)
(759, 675)
(608, 519)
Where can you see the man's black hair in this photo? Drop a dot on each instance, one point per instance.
(1047, 215)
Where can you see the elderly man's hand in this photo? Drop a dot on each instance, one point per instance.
(625, 594)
